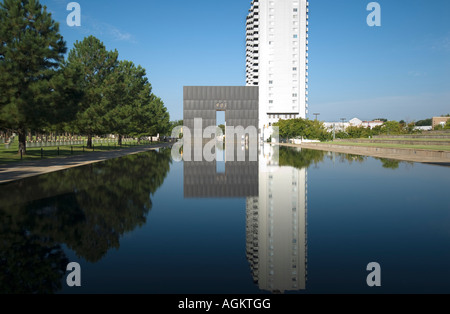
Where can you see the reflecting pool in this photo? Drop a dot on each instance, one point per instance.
(294, 221)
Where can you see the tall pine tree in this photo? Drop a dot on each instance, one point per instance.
(124, 91)
(134, 109)
(31, 49)
(96, 65)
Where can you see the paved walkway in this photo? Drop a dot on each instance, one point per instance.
(21, 170)
(404, 154)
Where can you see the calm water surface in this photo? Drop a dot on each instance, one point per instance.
(310, 222)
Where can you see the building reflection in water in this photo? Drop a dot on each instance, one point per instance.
(276, 235)
(276, 226)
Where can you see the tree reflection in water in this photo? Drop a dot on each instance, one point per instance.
(86, 208)
(299, 158)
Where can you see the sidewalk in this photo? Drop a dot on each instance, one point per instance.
(21, 170)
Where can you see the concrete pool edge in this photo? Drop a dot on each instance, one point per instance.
(403, 154)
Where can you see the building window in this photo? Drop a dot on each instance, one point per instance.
(270, 82)
(294, 69)
(295, 36)
(270, 101)
(295, 10)
(294, 95)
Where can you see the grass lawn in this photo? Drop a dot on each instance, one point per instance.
(406, 139)
(425, 147)
(10, 155)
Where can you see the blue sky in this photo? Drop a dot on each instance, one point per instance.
(400, 70)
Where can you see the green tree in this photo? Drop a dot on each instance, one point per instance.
(392, 127)
(292, 128)
(150, 117)
(447, 125)
(302, 128)
(222, 127)
(358, 132)
(66, 96)
(174, 124)
(125, 89)
(410, 128)
(426, 122)
(131, 107)
(342, 135)
(31, 50)
(96, 65)
(316, 131)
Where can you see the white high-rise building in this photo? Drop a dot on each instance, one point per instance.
(277, 59)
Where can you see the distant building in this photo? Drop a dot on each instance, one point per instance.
(336, 126)
(342, 126)
(355, 122)
(366, 124)
(439, 121)
(423, 128)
